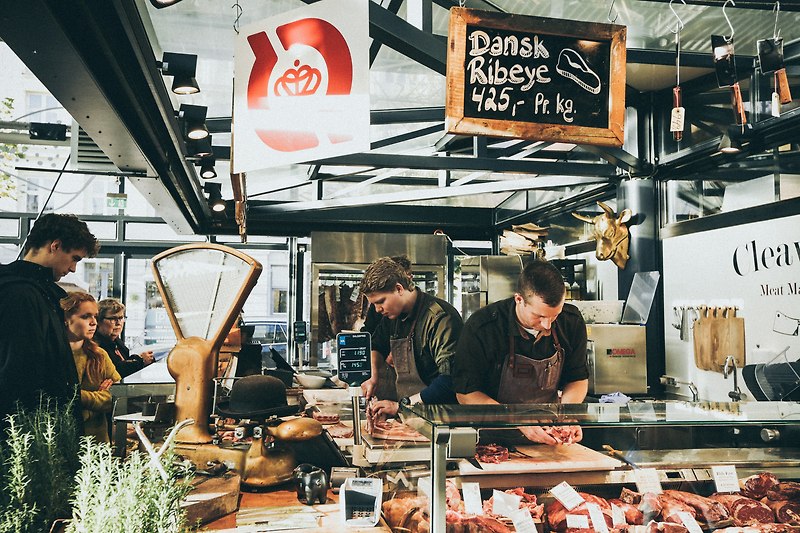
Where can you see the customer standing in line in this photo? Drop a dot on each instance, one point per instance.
(35, 356)
(110, 321)
(94, 368)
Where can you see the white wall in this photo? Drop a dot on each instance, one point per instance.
(701, 268)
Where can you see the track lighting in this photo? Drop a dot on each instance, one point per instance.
(183, 68)
(215, 201)
(729, 145)
(199, 148)
(207, 170)
(161, 4)
(193, 118)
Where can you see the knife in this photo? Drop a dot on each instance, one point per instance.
(514, 449)
(619, 455)
(474, 462)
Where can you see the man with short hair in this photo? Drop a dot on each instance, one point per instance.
(417, 336)
(35, 356)
(525, 349)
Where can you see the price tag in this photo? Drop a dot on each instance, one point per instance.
(690, 523)
(676, 119)
(776, 105)
(505, 504)
(598, 521)
(523, 522)
(647, 480)
(725, 478)
(577, 521)
(472, 498)
(617, 516)
(568, 496)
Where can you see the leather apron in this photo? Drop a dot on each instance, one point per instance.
(527, 380)
(408, 382)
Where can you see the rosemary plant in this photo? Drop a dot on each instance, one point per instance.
(116, 496)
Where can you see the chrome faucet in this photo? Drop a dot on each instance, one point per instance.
(694, 391)
(730, 367)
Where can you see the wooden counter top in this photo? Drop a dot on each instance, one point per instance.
(282, 499)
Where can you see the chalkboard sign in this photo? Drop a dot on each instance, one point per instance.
(354, 354)
(535, 78)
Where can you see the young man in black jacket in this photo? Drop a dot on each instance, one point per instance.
(35, 356)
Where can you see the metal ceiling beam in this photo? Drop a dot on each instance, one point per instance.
(436, 193)
(521, 166)
(620, 158)
(425, 48)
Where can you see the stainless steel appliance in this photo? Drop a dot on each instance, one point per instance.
(486, 279)
(617, 358)
(338, 261)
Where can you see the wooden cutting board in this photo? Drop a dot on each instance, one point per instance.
(544, 458)
(715, 338)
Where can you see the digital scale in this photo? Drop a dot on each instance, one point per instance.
(354, 356)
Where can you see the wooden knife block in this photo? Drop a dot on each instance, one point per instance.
(715, 338)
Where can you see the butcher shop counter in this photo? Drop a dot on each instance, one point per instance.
(680, 440)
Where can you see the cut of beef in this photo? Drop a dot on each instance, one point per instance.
(633, 515)
(745, 510)
(757, 485)
(707, 510)
(557, 513)
(491, 453)
(786, 490)
(670, 507)
(786, 511)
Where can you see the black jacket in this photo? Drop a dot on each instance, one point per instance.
(125, 362)
(35, 356)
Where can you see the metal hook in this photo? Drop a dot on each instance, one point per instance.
(775, 32)
(616, 15)
(680, 25)
(729, 39)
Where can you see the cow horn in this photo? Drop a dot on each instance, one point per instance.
(605, 208)
(584, 218)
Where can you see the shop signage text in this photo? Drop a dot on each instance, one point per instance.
(750, 257)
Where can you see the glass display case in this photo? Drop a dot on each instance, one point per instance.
(681, 441)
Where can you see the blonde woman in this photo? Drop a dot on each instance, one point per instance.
(96, 372)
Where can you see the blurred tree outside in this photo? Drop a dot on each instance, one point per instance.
(9, 153)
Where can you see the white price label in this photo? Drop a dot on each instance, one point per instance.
(472, 498)
(617, 516)
(568, 496)
(577, 521)
(776, 105)
(647, 480)
(725, 478)
(505, 504)
(689, 521)
(598, 520)
(523, 522)
(676, 119)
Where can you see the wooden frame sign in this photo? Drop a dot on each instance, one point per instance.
(535, 78)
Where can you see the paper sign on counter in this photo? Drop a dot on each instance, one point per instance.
(523, 522)
(505, 504)
(647, 480)
(598, 521)
(725, 478)
(472, 498)
(689, 521)
(568, 496)
(577, 521)
(617, 516)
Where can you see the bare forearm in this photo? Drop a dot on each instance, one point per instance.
(475, 398)
(575, 392)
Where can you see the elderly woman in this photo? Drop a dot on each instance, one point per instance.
(111, 319)
(96, 372)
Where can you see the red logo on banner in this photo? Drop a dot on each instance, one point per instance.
(302, 80)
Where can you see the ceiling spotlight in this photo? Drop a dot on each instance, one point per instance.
(207, 170)
(199, 148)
(160, 4)
(182, 67)
(729, 145)
(215, 201)
(194, 121)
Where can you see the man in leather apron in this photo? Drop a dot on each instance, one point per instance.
(530, 348)
(417, 337)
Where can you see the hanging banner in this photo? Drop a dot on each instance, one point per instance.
(535, 78)
(301, 86)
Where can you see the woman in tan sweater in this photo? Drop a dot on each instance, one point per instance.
(96, 371)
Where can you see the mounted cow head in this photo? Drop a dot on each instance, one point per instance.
(611, 234)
